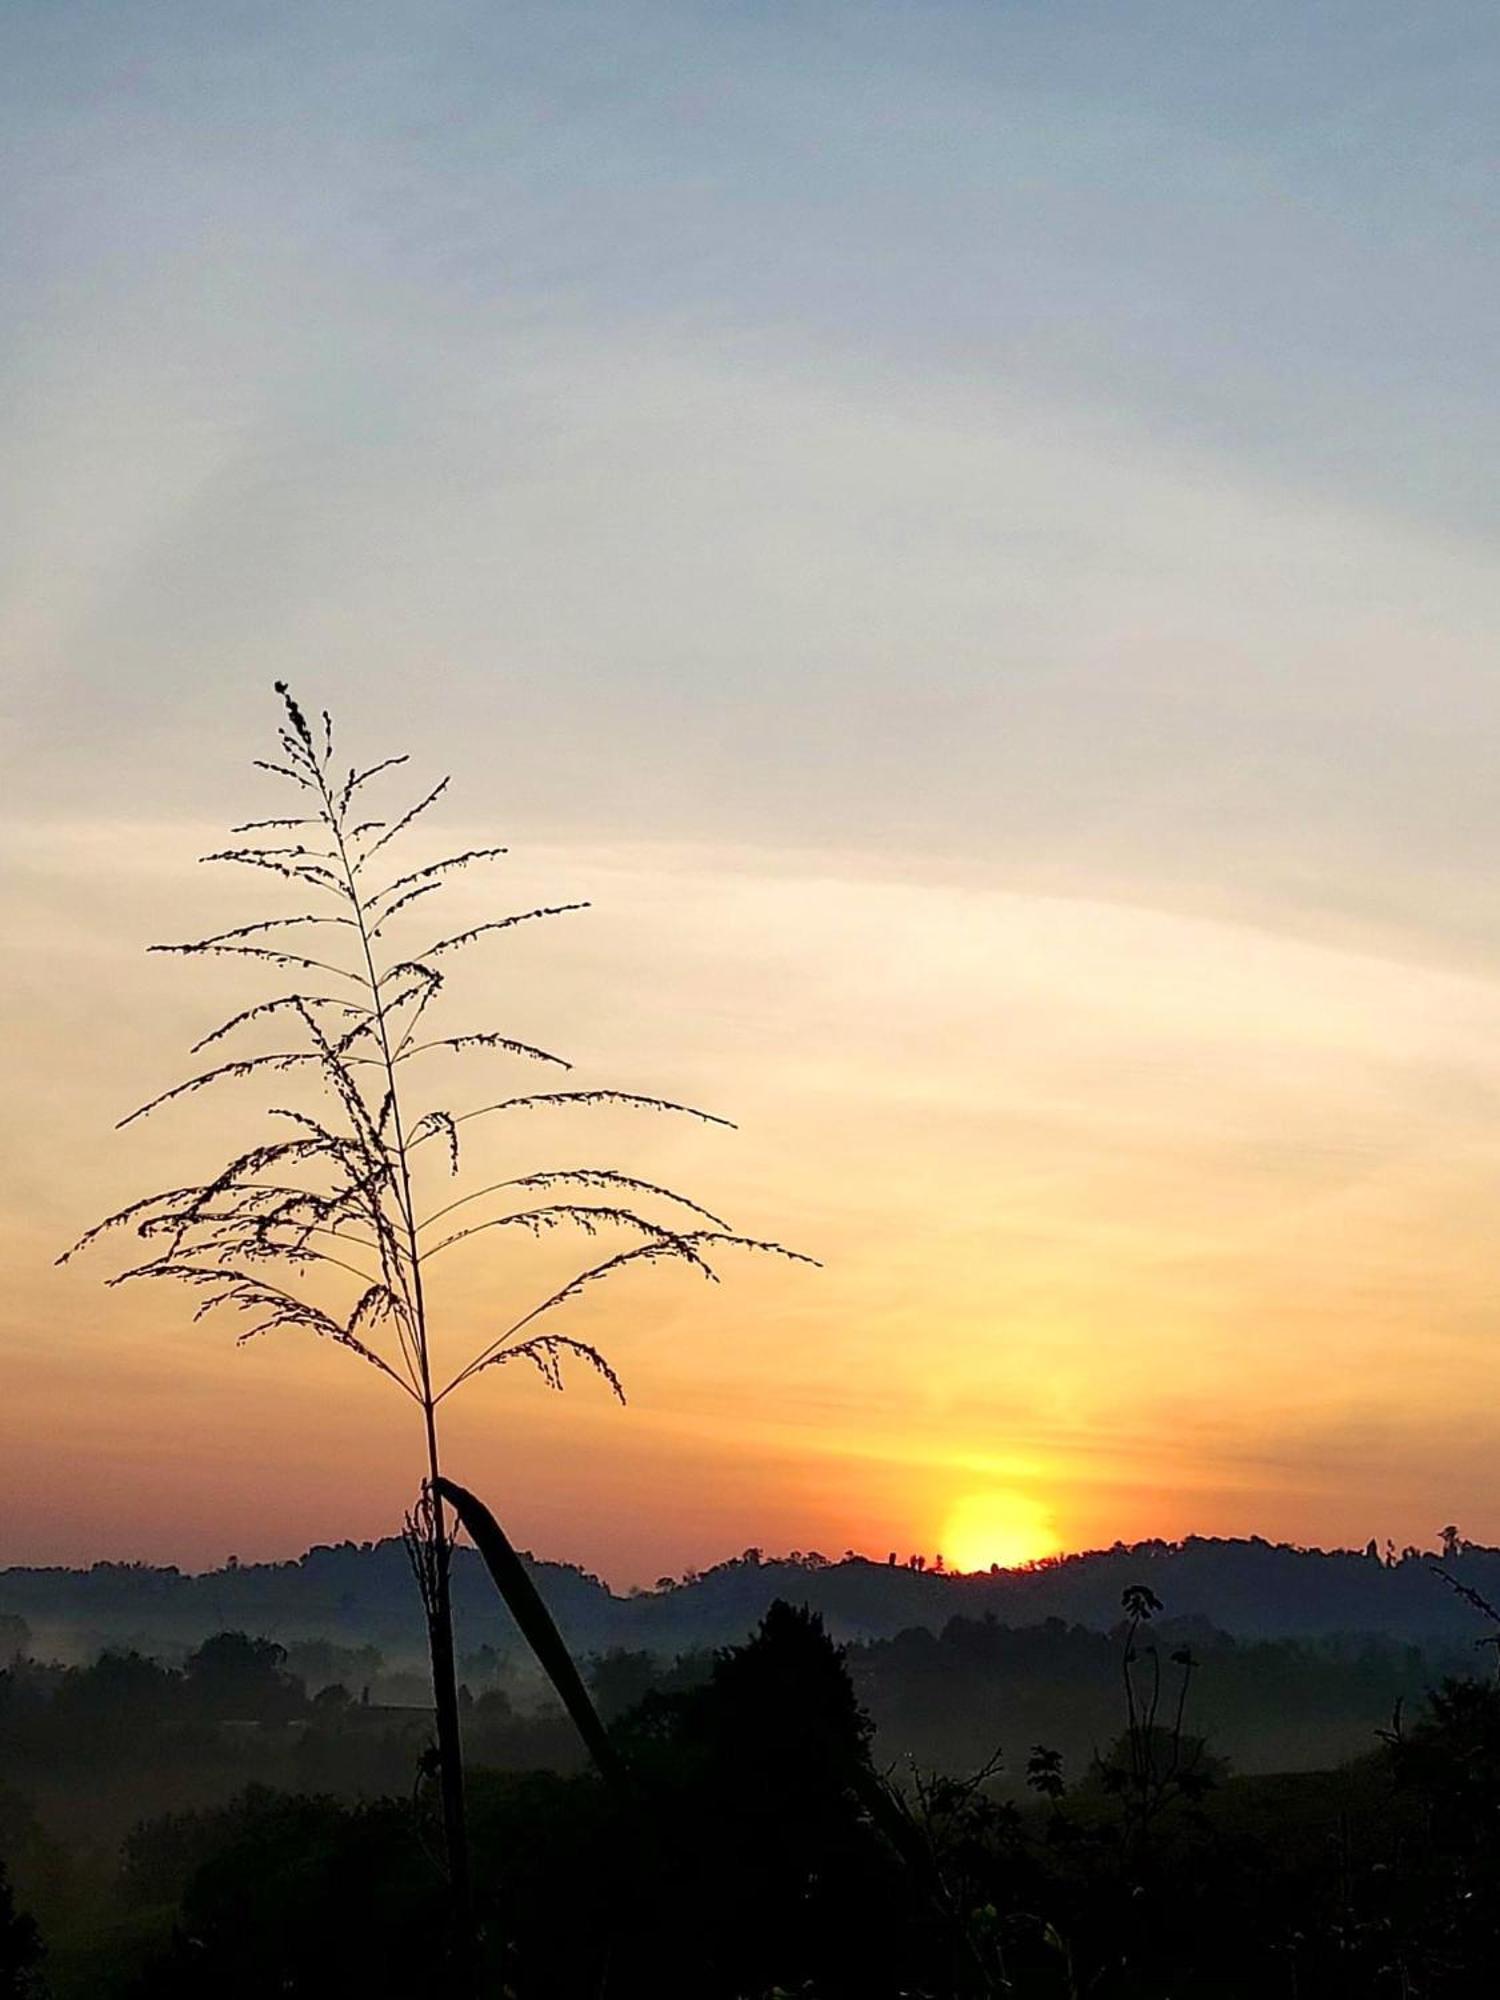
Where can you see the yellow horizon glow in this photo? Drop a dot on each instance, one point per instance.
(1149, 1219)
(1004, 1528)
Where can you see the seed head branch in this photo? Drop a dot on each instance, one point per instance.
(336, 1202)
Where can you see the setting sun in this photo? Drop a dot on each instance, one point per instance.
(1004, 1528)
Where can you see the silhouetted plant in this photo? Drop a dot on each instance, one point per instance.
(1154, 1762)
(963, 1826)
(20, 1946)
(236, 1678)
(1471, 1596)
(333, 1194)
(524, 1602)
(1044, 1773)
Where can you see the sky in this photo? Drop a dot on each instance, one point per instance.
(967, 531)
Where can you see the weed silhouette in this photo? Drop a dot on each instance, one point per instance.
(332, 1194)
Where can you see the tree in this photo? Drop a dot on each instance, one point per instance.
(323, 1225)
(20, 1945)
(759, 1774)
(235, 1678)
(620, 1678)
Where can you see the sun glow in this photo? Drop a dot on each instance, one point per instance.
(997, 1527)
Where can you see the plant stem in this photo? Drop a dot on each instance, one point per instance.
(440, 1607)
(449, 1741)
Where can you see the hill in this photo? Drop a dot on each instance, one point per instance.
(362, 1594)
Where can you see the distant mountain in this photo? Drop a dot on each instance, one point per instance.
(362, 1593)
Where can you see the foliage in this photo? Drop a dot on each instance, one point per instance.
(767, 1850)
(336, 1192)
(20, 1945)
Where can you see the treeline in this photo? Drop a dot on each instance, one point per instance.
(95, 1749)
(359, 1594)
(127, 1735)
(759, 1847)
(947, 1702)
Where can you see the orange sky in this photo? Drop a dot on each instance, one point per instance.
(1132, 1223)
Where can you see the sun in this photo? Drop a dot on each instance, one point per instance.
(997, 1527)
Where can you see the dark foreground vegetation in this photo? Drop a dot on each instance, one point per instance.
(215, 1829)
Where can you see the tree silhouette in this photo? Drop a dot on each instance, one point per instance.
(20, 1945)
(240, 1679)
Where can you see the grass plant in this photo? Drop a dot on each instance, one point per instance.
(327, 1222)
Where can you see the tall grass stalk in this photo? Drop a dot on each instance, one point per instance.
(325, 1224)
